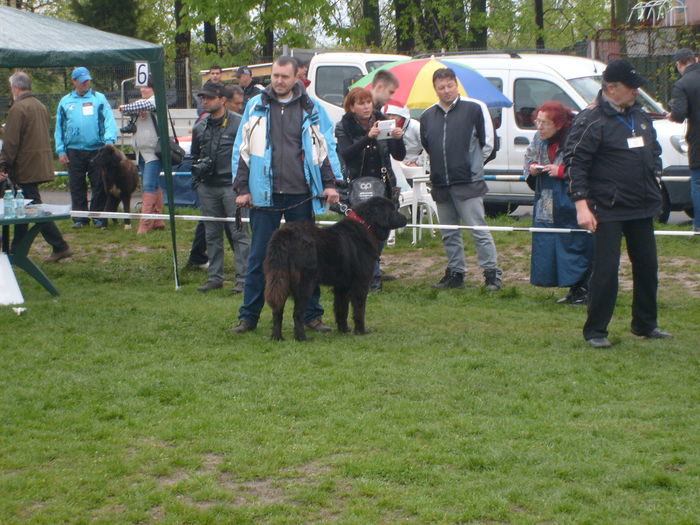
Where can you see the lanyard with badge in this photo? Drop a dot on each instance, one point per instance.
(634, 141)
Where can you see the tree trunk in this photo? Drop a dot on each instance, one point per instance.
(478, 30)
(430, 26)
(370, 16)
(405, 26)
(539, 22)
(182, 52)
(182, 36)
(211, 43)
(622, 11)
(268, 49)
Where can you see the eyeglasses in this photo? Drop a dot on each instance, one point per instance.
(544, 123)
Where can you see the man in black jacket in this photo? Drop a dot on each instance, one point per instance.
(613, 160)
(685, 104)
(457, 134)
(212, 144)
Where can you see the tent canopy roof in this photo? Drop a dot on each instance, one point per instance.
(34, 40)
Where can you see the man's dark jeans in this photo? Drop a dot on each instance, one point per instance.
(263, 224)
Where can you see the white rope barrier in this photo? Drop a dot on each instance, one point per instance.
(119, 215)
(503, 178)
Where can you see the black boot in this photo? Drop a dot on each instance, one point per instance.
(451, 280)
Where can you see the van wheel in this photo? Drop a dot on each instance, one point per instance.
(494, 209)
(665, 207)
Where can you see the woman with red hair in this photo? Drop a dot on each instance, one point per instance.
(360, 151)
(557, 259)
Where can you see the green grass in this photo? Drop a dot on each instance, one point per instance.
(126, 401)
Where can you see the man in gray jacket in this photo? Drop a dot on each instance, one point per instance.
(457, 134)
(212, 144)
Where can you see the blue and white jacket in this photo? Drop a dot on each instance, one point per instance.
(84, 122)
(252, 151)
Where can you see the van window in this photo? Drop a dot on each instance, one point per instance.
(588, 88)
(332, 82)
(496, 113)
(376, 64)
(530, 93)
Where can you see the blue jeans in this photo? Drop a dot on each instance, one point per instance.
(695, 194)
(150, 175)
(263, 224)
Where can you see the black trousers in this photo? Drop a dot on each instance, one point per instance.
(641, 248)
(198, 252)
(79, 164)
(49, 230)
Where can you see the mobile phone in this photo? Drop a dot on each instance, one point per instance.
(538, 167)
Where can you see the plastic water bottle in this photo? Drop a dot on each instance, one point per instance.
(19, 205)
(8, 202)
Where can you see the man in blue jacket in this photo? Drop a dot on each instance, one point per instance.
(285, 162)
(84, 123)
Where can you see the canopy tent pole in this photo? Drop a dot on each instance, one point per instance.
(158, 72)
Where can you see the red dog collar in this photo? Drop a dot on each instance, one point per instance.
(354, 216)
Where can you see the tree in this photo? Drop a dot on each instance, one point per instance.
(405, 26)
(371, 24)
(116, 17)
(478, 24)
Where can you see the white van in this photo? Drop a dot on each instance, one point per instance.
(530, 79)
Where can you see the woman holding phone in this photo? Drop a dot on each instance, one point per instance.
(558, 259)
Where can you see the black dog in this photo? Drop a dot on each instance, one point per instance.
(300, 256)
(120, 177)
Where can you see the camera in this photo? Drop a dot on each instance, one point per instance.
(203, 168)
(130, 127)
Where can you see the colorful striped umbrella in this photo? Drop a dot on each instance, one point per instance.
(416, 83)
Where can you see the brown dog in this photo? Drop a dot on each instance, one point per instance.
(120, 177)
(301, 256)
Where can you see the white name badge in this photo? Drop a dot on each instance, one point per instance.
(88, 109)
(635, 142)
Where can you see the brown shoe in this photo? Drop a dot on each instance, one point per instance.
(57, 256)
(210, 285)
(317, 325)
(243, 327)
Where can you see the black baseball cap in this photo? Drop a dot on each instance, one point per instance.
(622, 71)
(684, 55)
(212, 89)
(243, 71)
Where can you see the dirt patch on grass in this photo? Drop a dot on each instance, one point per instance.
(420, 265)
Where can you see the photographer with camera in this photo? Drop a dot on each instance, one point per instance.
(212, 145)
(143, 125)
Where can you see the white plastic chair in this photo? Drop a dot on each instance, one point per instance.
(416, 198)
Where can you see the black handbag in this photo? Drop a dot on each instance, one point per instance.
(177, 154)
(364, 188)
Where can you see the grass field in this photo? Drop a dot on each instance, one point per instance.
(126, 401)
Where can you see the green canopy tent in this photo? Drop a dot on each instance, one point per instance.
(33, 40)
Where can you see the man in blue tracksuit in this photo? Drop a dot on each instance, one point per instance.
(84, 123)
(284, 159)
